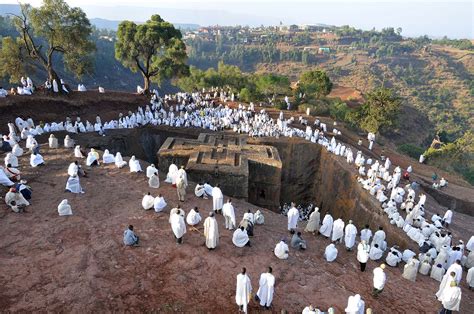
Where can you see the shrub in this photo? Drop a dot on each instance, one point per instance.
(411, 150)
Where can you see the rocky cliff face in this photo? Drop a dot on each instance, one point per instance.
(311, 174)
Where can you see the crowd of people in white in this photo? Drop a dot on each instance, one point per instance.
(438, 257)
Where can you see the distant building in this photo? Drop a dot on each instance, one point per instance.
(324, 50)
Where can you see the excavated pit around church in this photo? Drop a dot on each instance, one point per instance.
(309, 173)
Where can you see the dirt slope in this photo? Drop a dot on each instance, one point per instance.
(78, 263)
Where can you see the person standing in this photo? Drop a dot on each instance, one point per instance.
(243, 291)
(363, 254)
(266, 288)
(211, 231)
(379, 280)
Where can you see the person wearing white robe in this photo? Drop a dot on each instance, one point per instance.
(425, 266)
(53, 141)
(281, 250)
(211, 231)
(350, 233)
(375, 252)
(410, 270)
(208, 189)
(78, 152)
(154, 181)
(266, 288)
(326, 227)
(243, 291)
(64, 209)
(134, 165)
(456, 268)
(182, 174)
(68, 142)
(379, 238)
(394, 257)
(217, 199)
(107, 157)
(437, 272)
(119, 162)
(366, 234)
(172, 174)
(379, 280)
(448, 217)
(11, 160)
(147, 201)
(200, 191)
(17, 150)
(151, 170)
(355, 305)
(293, 217)
(313, 222)
(181, 188)
(240, 238)
(259, 218)
(470, 244)
(178, 226)
(92, 159)
(445, 283)
(470, 278)
(73, 185)
(363, 254)
(4, 180)
(229, 215)
(330, 253)
(337, 230)
(193, 217)
(310, 310)
(451, 298)
(36, 160)
(159, 203)
(16, 201)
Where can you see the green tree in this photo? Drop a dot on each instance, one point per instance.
(315, 83)
(272, 84)
(54, 29)
(379, 112)
(154, 48)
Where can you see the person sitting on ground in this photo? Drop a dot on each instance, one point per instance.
(200, 191)
(108, 158)
(154, 181)
(159, 203)
(68, 142)
(297, 241)
(193, 217)
(73, 185)
(240, 237)
(16, 201)
(129, 237)
(53, 141)
(24, 189)
(64, 209)
(330, 253)
(258, 217)
(36, 160)
(147, 201)
(281, 249)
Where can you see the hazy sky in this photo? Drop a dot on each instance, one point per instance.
(416, 17)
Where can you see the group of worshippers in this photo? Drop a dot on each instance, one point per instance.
(200, 110)
(264, 295)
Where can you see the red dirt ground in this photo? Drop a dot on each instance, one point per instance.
(79, 264)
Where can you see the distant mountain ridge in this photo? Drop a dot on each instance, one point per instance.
(100, 23)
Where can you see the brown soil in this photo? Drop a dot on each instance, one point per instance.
(78, 263)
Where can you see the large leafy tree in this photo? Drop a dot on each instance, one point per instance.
(272, 84)
(315, 83)
(154, 48)
(48, 34)
(379, 112)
